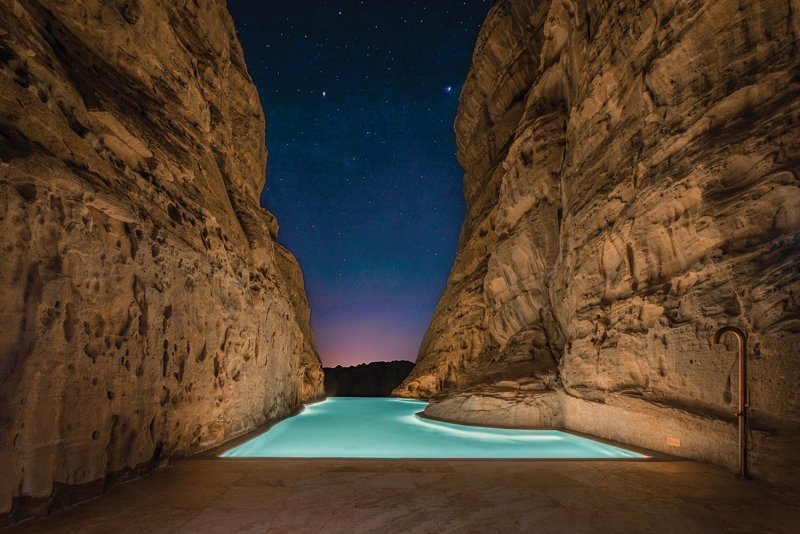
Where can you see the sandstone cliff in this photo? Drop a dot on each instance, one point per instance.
(631, 184)
(146, 310)
(310, 373)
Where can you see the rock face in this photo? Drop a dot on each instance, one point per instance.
(310, 373)
(632, 185)
(376, 379)
(147, 311)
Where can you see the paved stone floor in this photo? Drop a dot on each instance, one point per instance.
(200, 496)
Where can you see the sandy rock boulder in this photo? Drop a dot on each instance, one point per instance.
(147, 311)
(631, 175)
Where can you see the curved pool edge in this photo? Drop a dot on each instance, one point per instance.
(217, 451)
(423, 415)
(646, 454)
(637, 453)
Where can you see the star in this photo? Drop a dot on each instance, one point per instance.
(374, 234)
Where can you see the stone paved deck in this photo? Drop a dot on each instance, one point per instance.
(203, 496)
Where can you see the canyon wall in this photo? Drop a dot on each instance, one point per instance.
(146, 310)
(631, 177)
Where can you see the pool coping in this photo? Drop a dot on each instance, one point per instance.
(649, 455)
(215, 453)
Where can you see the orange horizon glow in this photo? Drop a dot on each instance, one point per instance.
(351, 341)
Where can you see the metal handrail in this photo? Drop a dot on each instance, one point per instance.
(743, 405)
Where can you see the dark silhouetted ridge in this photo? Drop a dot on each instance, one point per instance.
(376, 379)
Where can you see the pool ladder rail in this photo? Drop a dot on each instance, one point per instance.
(744, 406)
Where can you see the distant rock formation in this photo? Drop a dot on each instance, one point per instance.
(146, 310)
(376, 379)
(632, 184)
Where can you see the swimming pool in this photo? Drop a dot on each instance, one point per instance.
(346, 427)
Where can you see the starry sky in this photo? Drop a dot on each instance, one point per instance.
(360, 99)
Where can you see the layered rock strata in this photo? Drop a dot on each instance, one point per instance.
(631, 177)
(147, 311)
(374, 379)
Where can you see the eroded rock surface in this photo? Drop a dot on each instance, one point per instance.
(632, 185)
(146, 310)
(310, 373)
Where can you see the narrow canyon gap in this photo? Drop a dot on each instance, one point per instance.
(631, 176)
(360, 98)
(147, 311)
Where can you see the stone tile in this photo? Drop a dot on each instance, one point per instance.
(654, 481)
(269, 479)
(387, 480)
(533, 519)
(433, 496)
(789, 499)
(314, 520)
(585, 473)
(366, 465)
(543, 480)
(472, 521)
(495, 480)
(320, 496)
(190, 497)
(779, 519)
(81, 518)
(263, 498)
(673, 467)
(740, 519)
(211, 465)
(212, 479)
(433, 480)
(428, 466)
(395, 520)
(150, 520)
(579, 497)
(283, 464)
(730, 492)
(129, 494)
(516, 497)
(387, 498)
(345, 479)
(443, 490)
(580, 521)
(287, 469)
(229, 521)
(456, 498)
(637, 519)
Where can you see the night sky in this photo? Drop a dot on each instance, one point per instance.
(360, 99)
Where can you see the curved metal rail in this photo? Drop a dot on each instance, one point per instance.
(743, 405)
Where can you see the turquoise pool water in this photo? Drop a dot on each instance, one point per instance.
(343, 427)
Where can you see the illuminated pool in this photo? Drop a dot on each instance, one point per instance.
(344, 427)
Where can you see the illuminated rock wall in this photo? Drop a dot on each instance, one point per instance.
(632, 185)
(146, 310)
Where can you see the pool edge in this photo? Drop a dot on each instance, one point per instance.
(216, 452)
(648, 455)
